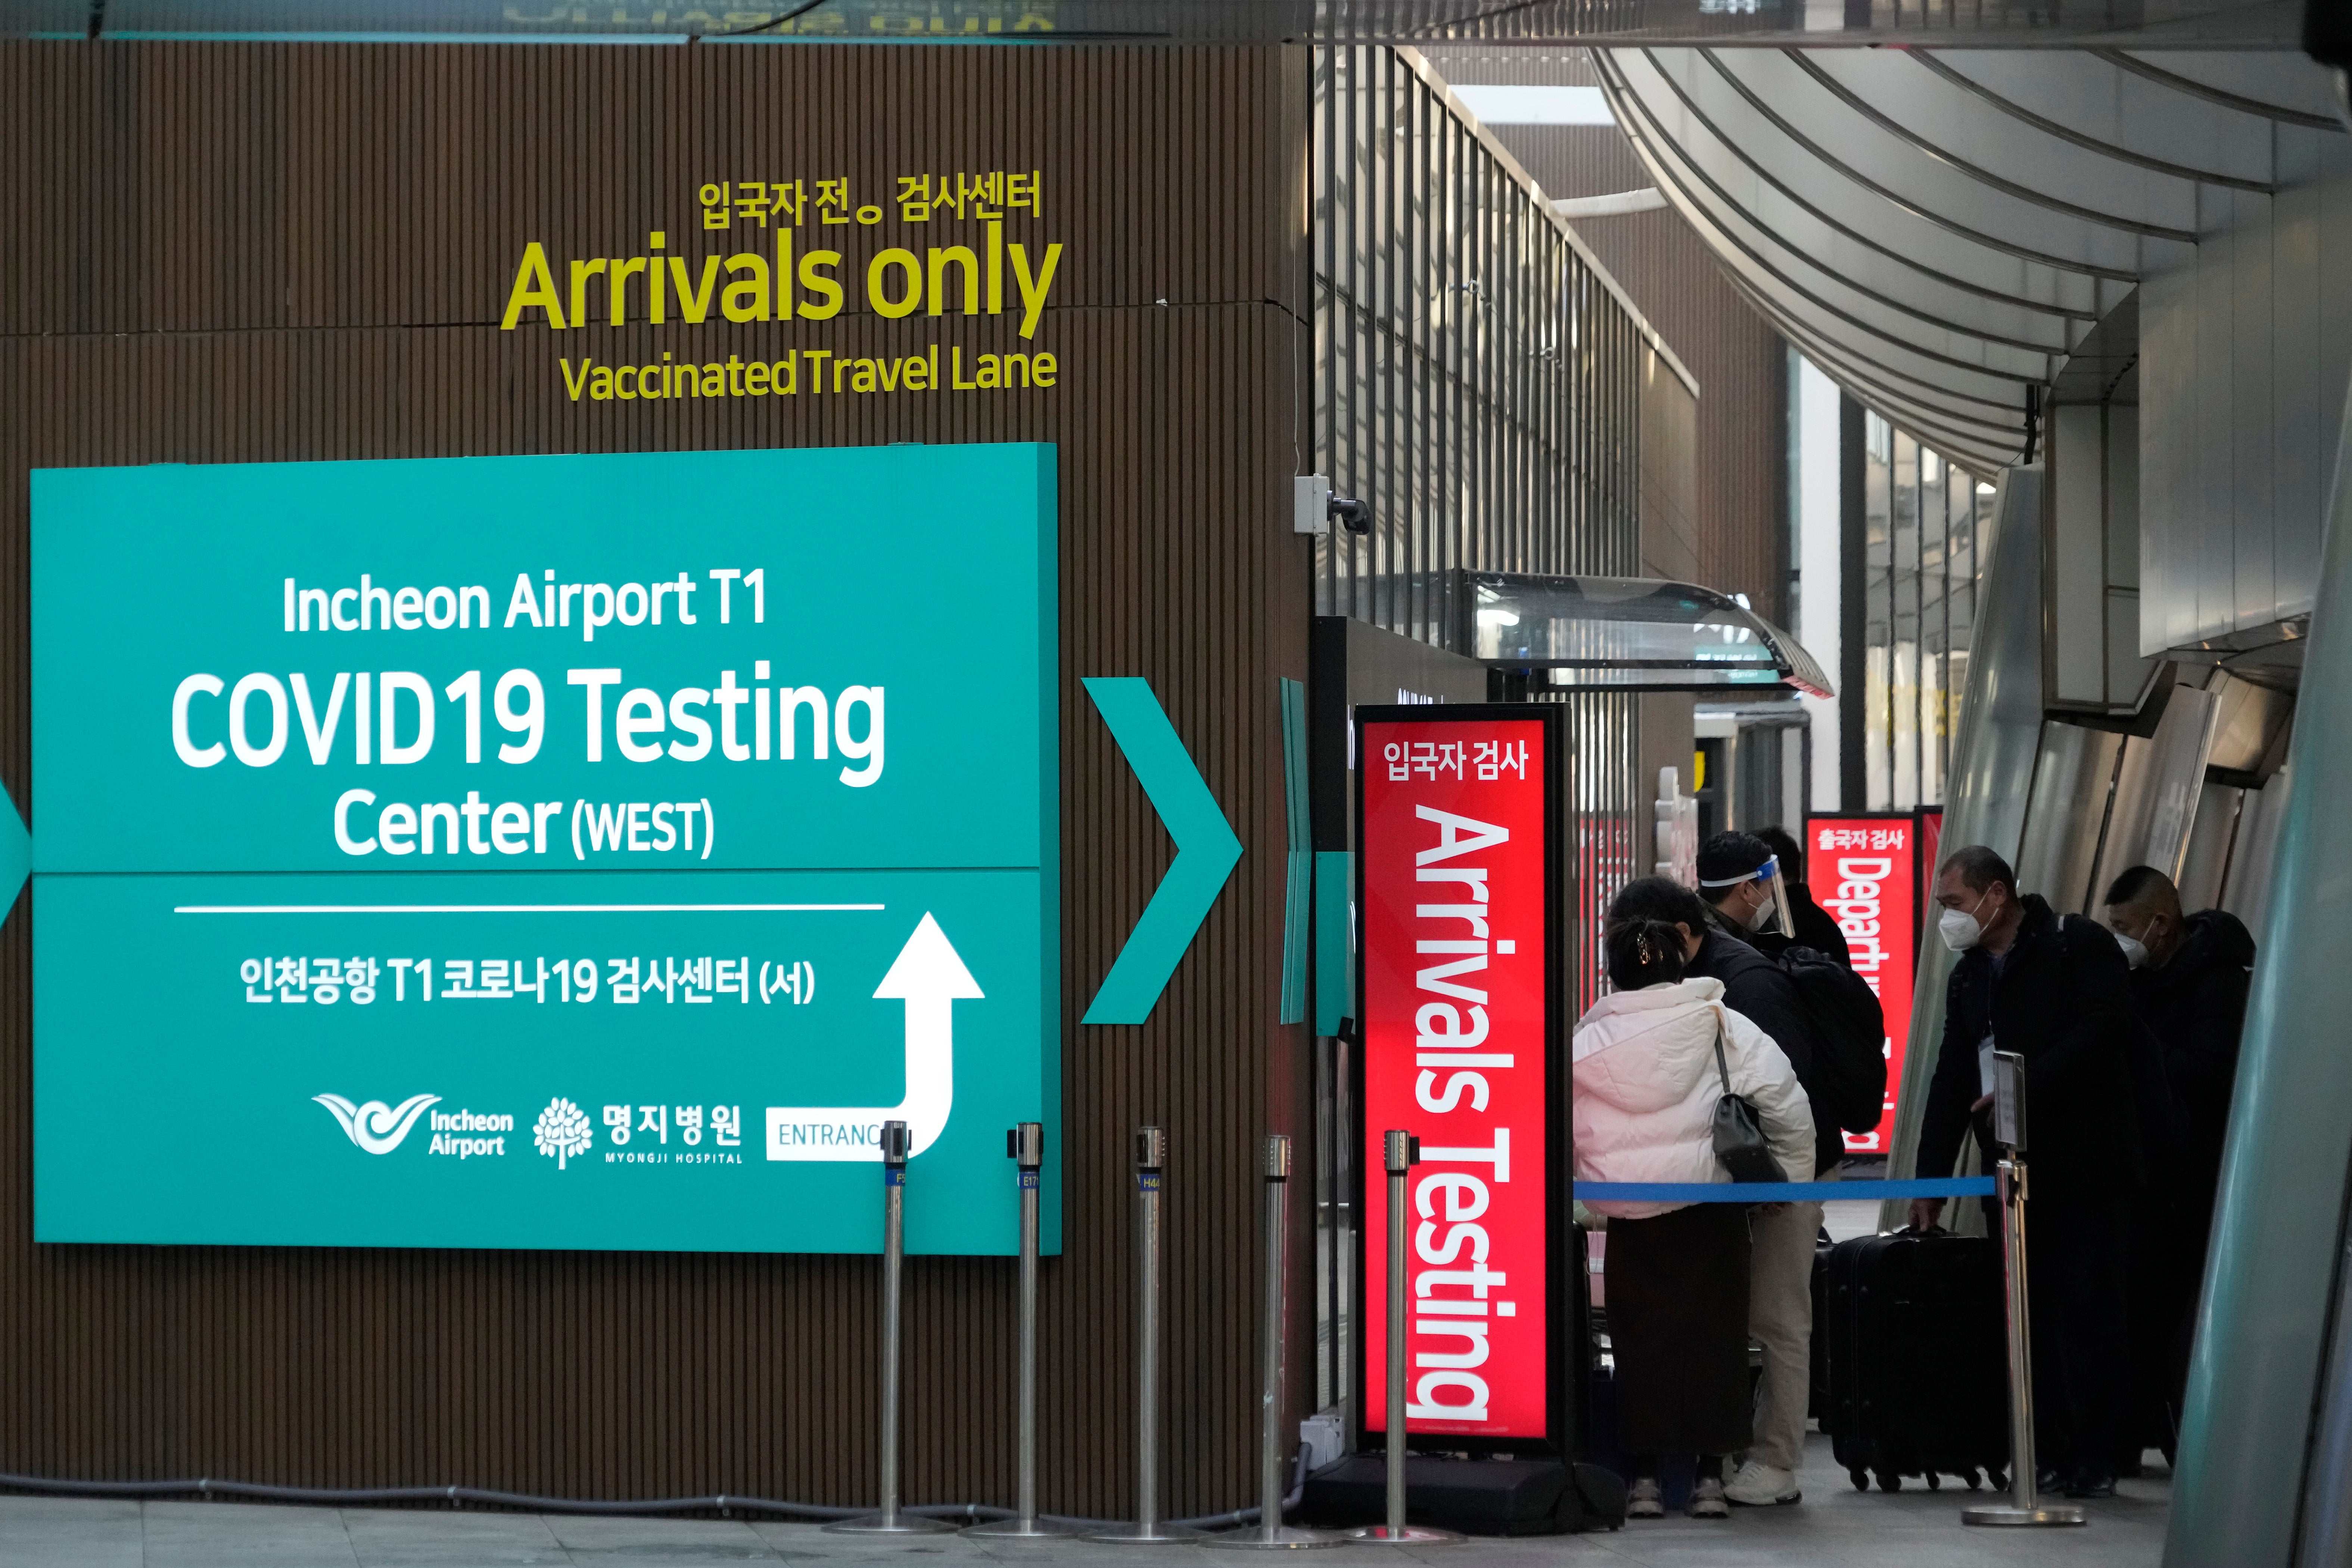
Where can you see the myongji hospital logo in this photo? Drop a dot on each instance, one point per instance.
(562, 1133)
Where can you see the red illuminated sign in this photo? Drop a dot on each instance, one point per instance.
(1459, 945)
(1865, 871)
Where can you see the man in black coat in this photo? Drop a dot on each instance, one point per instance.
(2189, 976)
(1812, 925)
(2055, 991)
(1781, 1235)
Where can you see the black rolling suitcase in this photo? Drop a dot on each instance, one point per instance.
(1913, 1358)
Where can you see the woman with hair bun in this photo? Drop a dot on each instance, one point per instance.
(1646, 1081)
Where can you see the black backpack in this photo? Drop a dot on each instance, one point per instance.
(1850, 1064)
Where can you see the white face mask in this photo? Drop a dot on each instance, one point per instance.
(2135, 951)
(1960, 928)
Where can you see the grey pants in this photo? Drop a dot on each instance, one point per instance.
(1781, 1319)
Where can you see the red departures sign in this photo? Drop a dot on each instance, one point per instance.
(1458, 914)
(1863, 871)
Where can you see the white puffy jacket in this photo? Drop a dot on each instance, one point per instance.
(1646, 1087)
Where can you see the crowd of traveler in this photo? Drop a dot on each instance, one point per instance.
(1742, 990)
(2129, 1031)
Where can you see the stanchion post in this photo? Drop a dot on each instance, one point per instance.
(1150, 1174)
(892, 1521)
(1270, 1532)
(2025, 1506)
(1400, 1152)
(1026, 1146)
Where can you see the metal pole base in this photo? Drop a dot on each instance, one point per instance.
(2009, 1514)
(1285, 1538)
(882, 1524)
(1015, 1529)
(1410, 1535)
(1160, 1534)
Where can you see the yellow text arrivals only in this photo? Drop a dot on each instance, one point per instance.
(748, 287)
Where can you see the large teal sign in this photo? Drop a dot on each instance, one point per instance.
(572, 851)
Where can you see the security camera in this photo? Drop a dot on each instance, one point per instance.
(1353, 515)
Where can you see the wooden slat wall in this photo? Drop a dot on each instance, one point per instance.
(241, 253)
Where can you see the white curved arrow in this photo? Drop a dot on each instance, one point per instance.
(931, 979)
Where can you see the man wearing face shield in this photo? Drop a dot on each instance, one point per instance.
(2054, 989)
(2189, 976)
(1740, 877)
(1738, 881)
(1810, 923)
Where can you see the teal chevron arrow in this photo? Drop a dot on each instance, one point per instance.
(1206, 849)
(16, 852)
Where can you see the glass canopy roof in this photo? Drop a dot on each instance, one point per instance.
(1620, 633)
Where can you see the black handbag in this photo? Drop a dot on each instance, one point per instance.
(1740, 1140)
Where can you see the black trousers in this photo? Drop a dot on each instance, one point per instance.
(2168, 1270)
(2078, 1270)
(1678, 1323)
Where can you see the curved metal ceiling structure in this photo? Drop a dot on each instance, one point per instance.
(1939, 229)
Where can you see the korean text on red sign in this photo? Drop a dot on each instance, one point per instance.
(1455, 922)
(1864, 871)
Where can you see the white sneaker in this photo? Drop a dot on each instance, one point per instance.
(1762, 1485)
(1643, 1500)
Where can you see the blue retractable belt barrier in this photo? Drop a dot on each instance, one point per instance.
(1782, 1192)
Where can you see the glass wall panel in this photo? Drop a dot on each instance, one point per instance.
(1480, 386)
(1477, 382)
(1921, 520)
(1605, 759)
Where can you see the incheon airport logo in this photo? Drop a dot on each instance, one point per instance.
(376, 1127)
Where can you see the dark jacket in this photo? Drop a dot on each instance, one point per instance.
(2063, 1001)
(1815, 927)
(2195, 1007)
(1756, 988)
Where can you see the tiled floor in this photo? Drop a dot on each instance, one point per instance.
(1835, 1526)
(1846, 1218)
